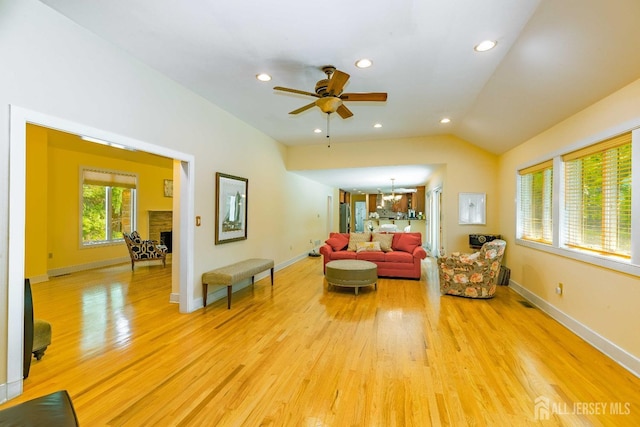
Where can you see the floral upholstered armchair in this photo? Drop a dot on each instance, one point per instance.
(472, 275)
(144, 250)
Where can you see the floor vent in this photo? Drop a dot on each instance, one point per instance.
(526, 304)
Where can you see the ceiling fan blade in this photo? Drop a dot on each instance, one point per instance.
(301, 109)
(337, 82)
(344, 112)
(299, 92)
(373, 96)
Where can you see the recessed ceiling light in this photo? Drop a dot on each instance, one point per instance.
(317, 130)
(263, 77)
(485, 46)
(377, 125)
(364, 63)
(445, 120)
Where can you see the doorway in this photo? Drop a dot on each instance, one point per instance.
(183, 205)
(361, 215)
(434, 221)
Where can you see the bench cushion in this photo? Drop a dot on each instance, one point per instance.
(233, 273)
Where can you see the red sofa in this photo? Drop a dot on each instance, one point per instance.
(402, 261)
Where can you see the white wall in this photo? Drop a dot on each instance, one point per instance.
(52, 66)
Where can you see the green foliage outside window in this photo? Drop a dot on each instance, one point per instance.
(106, 213)
(603, 202)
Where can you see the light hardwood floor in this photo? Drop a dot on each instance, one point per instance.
(300, 355)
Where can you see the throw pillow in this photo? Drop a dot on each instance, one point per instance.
(354, 238)
(385, 241)
(406, 242)
(368, 247)
(337, 242)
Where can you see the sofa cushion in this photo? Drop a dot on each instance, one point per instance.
(371, 256)
(406, 242)
(398, 256)
(337, 241)
(344, 255)
(385, 240)
(368, 247)
(355, 238)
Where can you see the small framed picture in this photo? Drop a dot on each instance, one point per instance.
(472, 208)
(168, 188)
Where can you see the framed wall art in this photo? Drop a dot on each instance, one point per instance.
(168, 188)
(231, 208)
(472, 208)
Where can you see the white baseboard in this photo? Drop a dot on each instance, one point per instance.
(39, 279)
(82, 267)
(10, 390)
(174, 298)
(222, 291)
(618, 354)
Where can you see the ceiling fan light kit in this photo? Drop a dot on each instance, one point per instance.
(330, 96)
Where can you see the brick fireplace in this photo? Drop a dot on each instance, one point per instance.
(161, 226)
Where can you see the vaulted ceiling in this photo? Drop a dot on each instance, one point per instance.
(553, 58)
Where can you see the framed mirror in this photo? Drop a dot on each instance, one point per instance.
(231, 208)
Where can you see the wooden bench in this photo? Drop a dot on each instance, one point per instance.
(234, 273)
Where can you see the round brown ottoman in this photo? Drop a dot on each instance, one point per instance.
(351, 273)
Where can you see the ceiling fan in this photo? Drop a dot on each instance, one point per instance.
(330, 96)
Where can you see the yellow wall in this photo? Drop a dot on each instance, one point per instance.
(36, 204)
(53, 208)
(603, 300)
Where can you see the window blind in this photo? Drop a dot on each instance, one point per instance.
(536, 216)
(108, 179)
(597, 203)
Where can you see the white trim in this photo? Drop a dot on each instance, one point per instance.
(39, 279)
(221, 293)
(635, 197)
(557, 246)
(611, 262)
(10, 390)
(18, 119)
(88, 266)
(134, 209)
(15, 280)
(616, 353)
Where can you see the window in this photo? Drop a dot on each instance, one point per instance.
(597, 197)
(580, 204)
(108, 206)
(535, 213)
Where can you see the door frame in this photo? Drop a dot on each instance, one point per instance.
(183, 204)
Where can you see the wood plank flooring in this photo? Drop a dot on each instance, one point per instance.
(300, 355)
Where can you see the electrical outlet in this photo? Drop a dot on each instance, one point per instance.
(317, 242)
(50, 255)
(559, 289)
